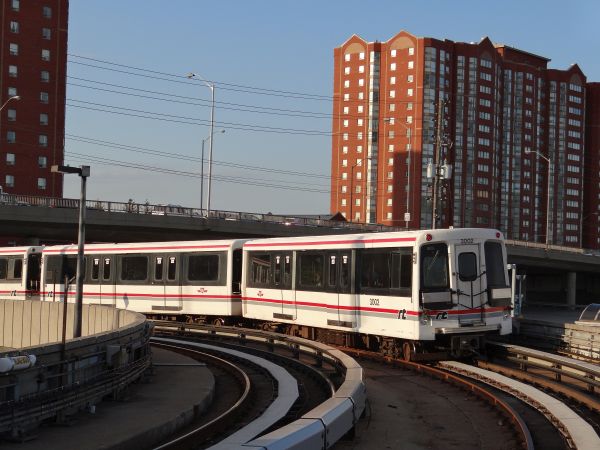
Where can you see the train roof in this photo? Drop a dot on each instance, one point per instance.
(150, 247)
(400, 238)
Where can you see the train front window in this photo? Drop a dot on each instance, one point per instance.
(18, 268)
(494, 265)
(434, 267)
(467, 266)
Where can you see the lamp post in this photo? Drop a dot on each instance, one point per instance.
(548, 199)
(211, 86)
(83, 172)
(202, 171)
(14, 97)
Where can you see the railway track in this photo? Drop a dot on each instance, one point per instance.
(239, 410)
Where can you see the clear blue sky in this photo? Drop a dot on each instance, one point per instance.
(283, 46)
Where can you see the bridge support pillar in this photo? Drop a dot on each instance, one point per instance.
(571, 290)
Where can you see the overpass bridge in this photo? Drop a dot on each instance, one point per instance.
(555, 274)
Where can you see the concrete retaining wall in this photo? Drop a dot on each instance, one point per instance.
(30, 323)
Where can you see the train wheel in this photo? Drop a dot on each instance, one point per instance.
(218, 322)
(408, 351)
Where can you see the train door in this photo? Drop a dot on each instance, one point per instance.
(106, 279)
(33, 274)
(282, 278)
(338, 271)
(469, 281)
(165, 283)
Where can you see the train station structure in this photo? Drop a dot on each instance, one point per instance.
(436, 133)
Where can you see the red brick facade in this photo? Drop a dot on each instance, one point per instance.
(504, 113)
(33, 65)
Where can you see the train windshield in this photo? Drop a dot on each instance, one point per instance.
(494, 265)
(434, 267)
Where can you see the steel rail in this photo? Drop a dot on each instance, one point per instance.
(513, 416)
(218, 424)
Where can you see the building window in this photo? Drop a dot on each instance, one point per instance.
(390, 188)
(361, 69)
(361, 55)
(390, 175)
(393, 52)
(43, 97)
(411, 64)
(9, 181)
(392, 80)
(43, 119)
(10, 159)
(14, 27)
(46, 33)
(359, 135)
(45, 76)
(45, 55)
(361, 82)
(357, 202)
(15, 5)
(347, 70)
(392, 94)
(359, 175)
(409, 92)
(11, 137)
(392, 107)
(393, 66)
(47, 12)
(359, 122)
(389, 216)
(360, 108)
(41, 183)
(13, 49)
(391, 148)
(42, 162)
(345, 149)
(43, 140)
(411, 51)
(346, 83)
(343, 202)
(410, 78)
(346, 97)
(12, 71)
(12, 115)
(361, 95)
(359, 149)
(347, 57)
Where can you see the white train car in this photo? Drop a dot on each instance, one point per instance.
(191, 278)
(446, 288)
(20, 272)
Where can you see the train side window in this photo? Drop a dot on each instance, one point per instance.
(203, 268)
(95, 269)
(310, 271)
(106, 269)
(332, 272)
(18, 269)
(158, 268)
(494, 265)
(3, 268)
(277, 270)
(134, 268)
(344, 272)
(287, 271)
(172, 268)
(260, 269)
(386, 271)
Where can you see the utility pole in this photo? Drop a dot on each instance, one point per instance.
(436, 164)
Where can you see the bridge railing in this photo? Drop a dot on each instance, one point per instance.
(539, 245)
(178, 210)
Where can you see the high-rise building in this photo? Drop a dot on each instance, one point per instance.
(33, 71)
(475, 134)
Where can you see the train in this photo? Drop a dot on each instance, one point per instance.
(408, 294)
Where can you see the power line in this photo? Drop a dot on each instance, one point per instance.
(163, 170)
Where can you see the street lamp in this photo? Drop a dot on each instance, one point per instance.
(14, 97)
(202, 171)
(548, 199)
(211, 86)
(83, 172)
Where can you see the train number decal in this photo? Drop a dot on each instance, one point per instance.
(374, 301)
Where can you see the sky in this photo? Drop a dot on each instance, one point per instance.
(139, 122)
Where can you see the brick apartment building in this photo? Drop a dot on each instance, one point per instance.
(33, 67)
(502, 114)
